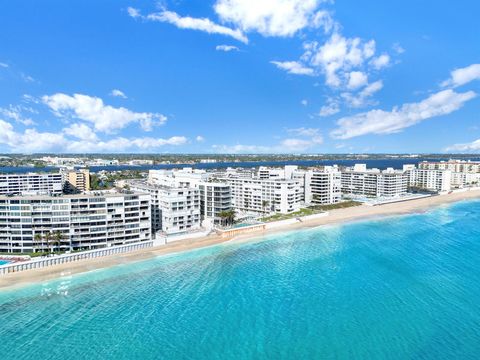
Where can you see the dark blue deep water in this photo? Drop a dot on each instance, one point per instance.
(397, 288)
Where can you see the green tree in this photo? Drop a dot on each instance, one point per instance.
(227, 216)
(57, 239)
(265, 204)
(38, 241)
(49, 240)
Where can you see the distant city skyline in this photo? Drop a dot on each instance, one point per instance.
(230, 76)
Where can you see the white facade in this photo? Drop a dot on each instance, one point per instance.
(435, 180)
(462, 179)
(463, 173)
(374, 183)
(265, 195)
(31, 183)
(175, 210)
(323, 186)
(460, 166)
(215, 198)
(84, 222)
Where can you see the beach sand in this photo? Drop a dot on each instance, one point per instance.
(24, 278)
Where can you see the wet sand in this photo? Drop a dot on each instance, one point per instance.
(335, 217)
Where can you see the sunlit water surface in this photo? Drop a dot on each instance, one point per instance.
(398, 288)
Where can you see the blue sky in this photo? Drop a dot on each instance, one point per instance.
(239, 76)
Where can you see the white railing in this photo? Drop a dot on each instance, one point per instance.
(66, 258)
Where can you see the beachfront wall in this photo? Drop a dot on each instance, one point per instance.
(269, 225)
(67, 258)
(240, 230)
(280, 223)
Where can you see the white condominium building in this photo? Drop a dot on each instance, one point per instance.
(174, 209)
(374, 183)
(462, 179)
(463, 173)
(265, 195)
(73, 222)
(287, 172)
(460, 166)
(31, 183)
(184, 177)
(436, 180)
(323, 186)
(215, 198)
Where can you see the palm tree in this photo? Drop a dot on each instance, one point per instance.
(223, 216)
(38, 239)
(227, 216)
(265, 204)
(57, 238)
(48, 239)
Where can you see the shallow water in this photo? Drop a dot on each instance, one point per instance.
(399, 288)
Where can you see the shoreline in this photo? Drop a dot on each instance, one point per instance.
(338, 216)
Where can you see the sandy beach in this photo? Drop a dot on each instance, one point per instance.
(336, 216)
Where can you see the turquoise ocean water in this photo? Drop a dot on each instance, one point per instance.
(397, 288)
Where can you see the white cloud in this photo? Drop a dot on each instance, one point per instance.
(122, 144)
(473, 146)
(293, 67)
(288, 145)
(293, 145)
(302, 131)
(81, 131)
(187, 22)
(200, 138)
(381, 61)
(323, 19)
(462, 76)
(270, 17)
(304, 102)
(331, 108)
(338, 56)
(28, 141)
(356, 79)
(31, 141)
(118, 93)
(15, 112)
(362, 98)
(104, 117)
(305, 139)
(226, 48)
(27, 78)
(134, 13)
(398, 48)
(346, 63)
(4, 65)
(399, 118)
(239, 149)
